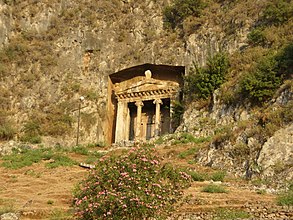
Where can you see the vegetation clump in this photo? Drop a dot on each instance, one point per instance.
(261, 84)
(131, 186)
(175, 14)
(213, 188)
(202, 82)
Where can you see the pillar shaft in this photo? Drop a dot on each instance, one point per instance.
(121, 121)
(139, 105)
(158, 103)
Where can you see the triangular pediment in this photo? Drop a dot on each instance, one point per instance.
(142, 84)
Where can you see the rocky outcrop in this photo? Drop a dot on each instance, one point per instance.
(276, 155)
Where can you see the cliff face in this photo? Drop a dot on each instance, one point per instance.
(53, 52)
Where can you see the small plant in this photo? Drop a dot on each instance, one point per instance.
(223, 214)
(218, 176)
(131, 186)
(80, 150)
(50, 202)
(256, 37)
(195, 176)
(160, 140)
(213, 188)
(286, 198)
(32, 132)
(60, 160)
(189, 152)
(261, 191)
(7, 132)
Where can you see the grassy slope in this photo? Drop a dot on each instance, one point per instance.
(40, 192)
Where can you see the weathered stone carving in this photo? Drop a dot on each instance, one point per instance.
(142, 106)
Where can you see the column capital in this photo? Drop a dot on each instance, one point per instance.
(139, 103)
(157, 101)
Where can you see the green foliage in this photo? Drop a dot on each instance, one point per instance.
(189, 152)
(185, 138)
(285, 198)
(223, 214)
(261, 84)
(213, 188)
(218, 176)
(60, 160)
(178, 111)
(32, 131)
(278, 12)
(26, 157)
(175, 14)
(7, 132)
(131, 186)
(196, 176)
(257, 37)
(202, 82)
(80, 150)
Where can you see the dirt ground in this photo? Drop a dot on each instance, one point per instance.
(38, 192)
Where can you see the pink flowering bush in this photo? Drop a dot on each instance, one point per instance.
(130, 186)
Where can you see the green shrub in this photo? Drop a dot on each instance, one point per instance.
(178, 110)
(278, 12)
(257, 37)
(213, 188)
(195, 176)
(32, 131)
(80, 150)
(285, 198)
(189, 152)
(202, 82)
(218, 176)
(131, 186)
(261, 84)
(7, 132)
(175, 14)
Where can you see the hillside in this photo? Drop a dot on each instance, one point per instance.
(42, 191)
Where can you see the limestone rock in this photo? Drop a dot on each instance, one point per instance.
(9, 216)
(277, 153)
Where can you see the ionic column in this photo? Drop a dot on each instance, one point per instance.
(120, 121)
(139, 105)
(158, 103)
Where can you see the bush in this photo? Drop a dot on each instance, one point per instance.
(195, 176)
(257, 37)
(261, 84)
(285, 198)
(32, 131)
(278, 12)
(175, 14)
(131, 186)
(7, 132)
(202, 82)
(218, 176)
